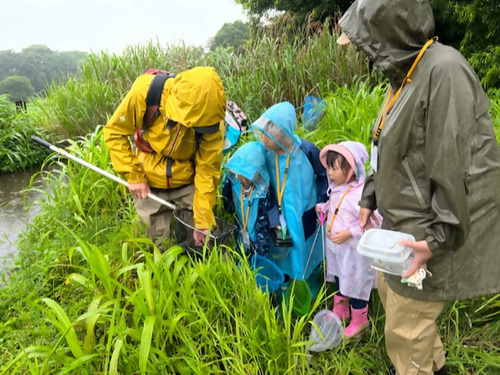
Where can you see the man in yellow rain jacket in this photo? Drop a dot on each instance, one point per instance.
(186, 139)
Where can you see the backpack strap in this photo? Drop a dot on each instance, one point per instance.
(153, 99)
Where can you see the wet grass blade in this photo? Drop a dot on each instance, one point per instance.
(62, 322)
(147, 333)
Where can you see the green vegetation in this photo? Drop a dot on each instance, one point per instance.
(270, 71)
(40, 65)
(90, 294)
(17, 151)
(232, 35)
(468, 25)
(481, 41)
(16, 88)
(316, 9)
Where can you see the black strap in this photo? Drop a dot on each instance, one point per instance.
(153, 99)
(169, 167)
(156, 88)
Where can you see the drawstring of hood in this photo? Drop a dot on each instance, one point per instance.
(386, 108)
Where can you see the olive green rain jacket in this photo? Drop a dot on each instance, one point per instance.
(438, 168)
(195, 98)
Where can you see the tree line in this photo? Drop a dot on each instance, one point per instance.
(470, 26)
(26, 73)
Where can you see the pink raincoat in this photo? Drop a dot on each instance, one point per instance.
(356, 277)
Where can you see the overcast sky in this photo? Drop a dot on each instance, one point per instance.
(111, 25)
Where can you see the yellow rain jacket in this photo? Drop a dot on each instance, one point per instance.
(194, 98)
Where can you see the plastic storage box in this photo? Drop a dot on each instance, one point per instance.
(382, 246)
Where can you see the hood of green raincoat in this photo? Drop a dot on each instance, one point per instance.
(278, 123)
(390, 32)
(249, 161)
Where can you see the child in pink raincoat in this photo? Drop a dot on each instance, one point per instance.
(349, 270)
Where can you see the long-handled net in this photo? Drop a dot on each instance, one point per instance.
(217, 235)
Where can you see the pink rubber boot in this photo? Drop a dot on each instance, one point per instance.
(359, 323)
(341, 307)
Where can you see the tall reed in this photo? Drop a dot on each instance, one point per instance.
(91, 294)
(269, 71)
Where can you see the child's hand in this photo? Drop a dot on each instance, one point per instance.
(341, 236)
(319, 207)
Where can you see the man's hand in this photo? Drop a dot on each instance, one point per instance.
(422, 255)
(366, 219)
(199, 236)
(341, 236)
(139, 190)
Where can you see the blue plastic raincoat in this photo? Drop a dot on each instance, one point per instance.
(248, 161)
(294, 179)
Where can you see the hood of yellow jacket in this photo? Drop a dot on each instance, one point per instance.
(196, 98)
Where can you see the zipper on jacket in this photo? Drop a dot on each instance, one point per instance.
(169, 162)
(413, 182)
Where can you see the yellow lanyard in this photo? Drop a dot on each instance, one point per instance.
(245, 214)
(386, 108)
(329, 227)
(282, 189)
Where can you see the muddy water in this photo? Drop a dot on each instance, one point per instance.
(14, 215)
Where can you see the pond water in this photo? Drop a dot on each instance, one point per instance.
(14, 215)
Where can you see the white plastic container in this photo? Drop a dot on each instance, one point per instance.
(382, 246)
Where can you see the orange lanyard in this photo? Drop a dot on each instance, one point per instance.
(329, 227)
(245, 214)
(282, 189)
(386, 108)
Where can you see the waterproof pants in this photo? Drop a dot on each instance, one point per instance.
(157, 216)
(411, 336)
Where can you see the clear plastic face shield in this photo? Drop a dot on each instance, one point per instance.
(257, 180)
(273, 137)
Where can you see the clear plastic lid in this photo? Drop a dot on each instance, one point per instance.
(384, 244)
(329, 333)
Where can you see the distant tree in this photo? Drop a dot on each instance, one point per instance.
(233, 35)
(318, 9)
(469, 25)
(17, 88)
(448, 29)
(8, 61)
(40, 65)
(34, 63)
(472, 26)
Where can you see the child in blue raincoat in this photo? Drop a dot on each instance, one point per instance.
(246, 192)
(299, 181)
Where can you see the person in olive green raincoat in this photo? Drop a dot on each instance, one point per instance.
(435, 174)
(184, 166)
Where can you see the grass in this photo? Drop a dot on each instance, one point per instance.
(17, 151)
(270, 70)
(90, 294)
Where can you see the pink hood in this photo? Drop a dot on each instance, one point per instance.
(355, 154)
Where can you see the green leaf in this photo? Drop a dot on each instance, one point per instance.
(64, 325)
(147, 334)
